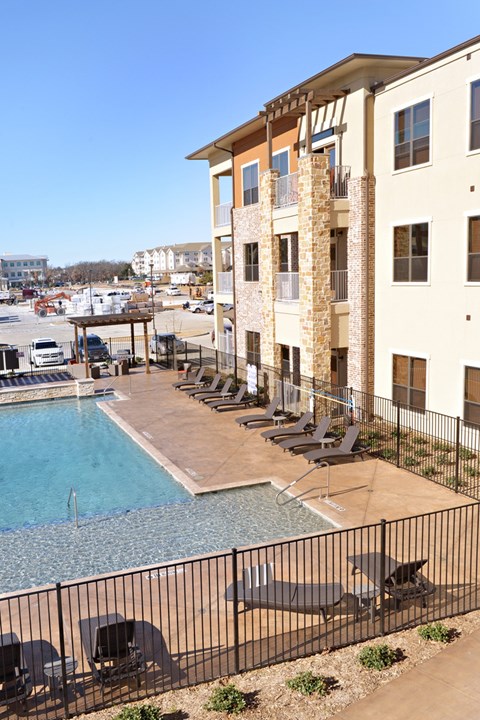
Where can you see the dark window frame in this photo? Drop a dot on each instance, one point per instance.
(407, 393)
(251, 262)
(250, 190)
(471, 408)
(412, 267)
(410, 140)
(473, 256)
(252, 346)
(474, 140)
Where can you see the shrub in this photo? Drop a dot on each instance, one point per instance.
(470, 471)
(444, 459)
(410, 461)
(438, 632)
(140, 712)
(419, 440)
(443, 447)
(388, 454)
(227, 699)
(421, 452)
(377, 657)
(429, 471)
(307, 683)
(466, 454)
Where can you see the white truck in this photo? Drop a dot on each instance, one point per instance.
(6, 297)
(46, 351)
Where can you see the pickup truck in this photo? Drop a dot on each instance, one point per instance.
(163, 343)
(46, 351)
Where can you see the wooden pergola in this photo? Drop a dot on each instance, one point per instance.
(95, 321)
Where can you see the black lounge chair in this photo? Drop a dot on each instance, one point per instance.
(298, 429)
(258, 589)
(402, 580)
(15, 682)
(109, 643)
(190, 381)
(206, 388)
(267, 416)
(318, 437)
(346, 449)
(207, 395)
(231, 403)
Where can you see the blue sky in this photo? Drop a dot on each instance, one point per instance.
(102, 99)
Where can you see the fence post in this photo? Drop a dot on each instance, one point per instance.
(352, 412)
(216, 360)
(236, 649)
(200, 356)
(457, 453)
(314, 403)
(282, 387)
(61, 639)
(398, 433)
(383, 545)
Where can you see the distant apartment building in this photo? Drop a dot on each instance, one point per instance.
(168, 258)
(355, 228)
(23, 269)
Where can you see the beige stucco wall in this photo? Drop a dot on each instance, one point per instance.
(429, 320)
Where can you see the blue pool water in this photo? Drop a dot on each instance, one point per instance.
(50, 447)
(132, 512)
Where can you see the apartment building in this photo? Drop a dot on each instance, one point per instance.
(427, 230)
(168, 258)
(302, 224)
(23, 269)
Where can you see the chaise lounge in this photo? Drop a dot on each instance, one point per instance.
(298, 429)
(193, 392)
(190, 381)
(206, 395)
(231, 403)
(15, 682)
(267, 416)
(258, 589)
(109, 643)
(318, 438)
(346, 450)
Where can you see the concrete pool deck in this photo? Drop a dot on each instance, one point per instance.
(208, 451)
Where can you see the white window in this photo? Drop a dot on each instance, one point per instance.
(412, 135)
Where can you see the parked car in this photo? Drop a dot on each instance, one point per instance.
(206, 306)
(97, 351)
(46, 351)
(163, 343)
(173, 291)
(227, 307)
(210, 295)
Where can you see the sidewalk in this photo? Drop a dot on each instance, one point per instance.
(444, 687)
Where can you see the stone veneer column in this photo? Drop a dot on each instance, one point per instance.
(361, 264)
(269, 260)
(314, 265)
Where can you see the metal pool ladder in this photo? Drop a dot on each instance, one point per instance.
(317, 466)
(75, 507)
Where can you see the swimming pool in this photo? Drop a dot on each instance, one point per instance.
(126, 524)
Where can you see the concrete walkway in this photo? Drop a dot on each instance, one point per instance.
(443, 688)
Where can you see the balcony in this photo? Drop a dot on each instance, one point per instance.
(225, 283)
(286, 190)
(223, 214)
(339, 177)
(339, 285)
(288, 287)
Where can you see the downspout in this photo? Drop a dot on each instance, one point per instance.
(233, 262)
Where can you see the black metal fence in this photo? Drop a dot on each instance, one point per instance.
(438, 447)
(84, 645)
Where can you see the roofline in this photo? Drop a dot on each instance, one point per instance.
(427, 61)
(258, 119)
(339, 64)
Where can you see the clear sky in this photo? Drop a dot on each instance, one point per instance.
(102, 99)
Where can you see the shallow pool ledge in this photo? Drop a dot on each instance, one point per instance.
(49, 391)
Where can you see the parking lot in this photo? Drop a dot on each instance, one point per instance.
(172, 318)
